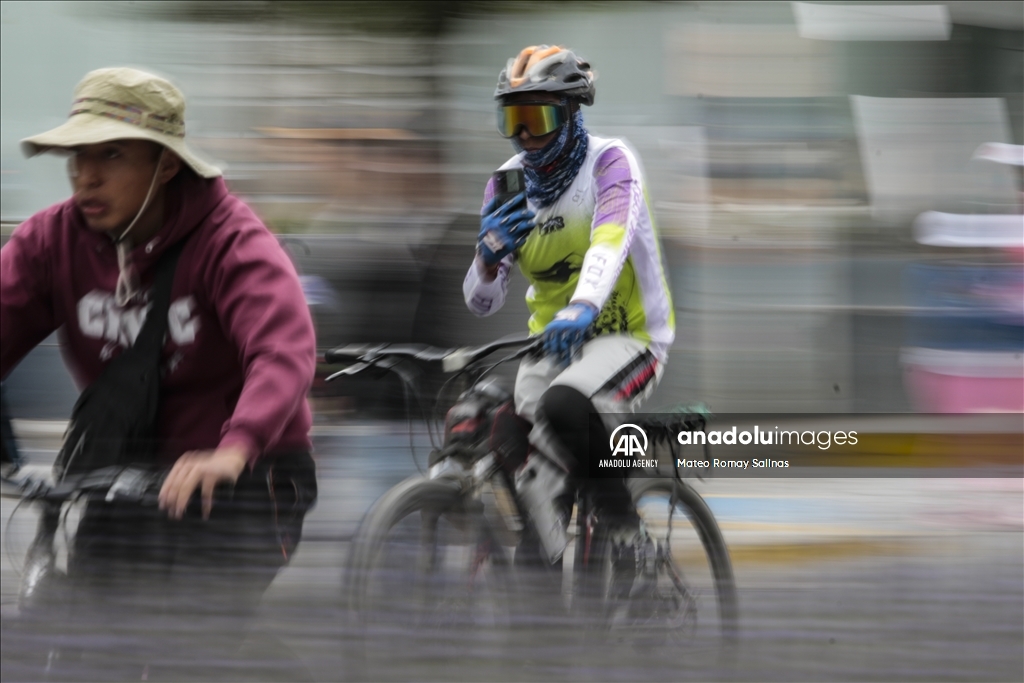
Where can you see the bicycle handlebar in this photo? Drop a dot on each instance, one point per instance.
(365, 356)
(130, 484)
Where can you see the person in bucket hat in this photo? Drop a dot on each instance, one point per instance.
(239, 354)
(123, 104)
(140, 114)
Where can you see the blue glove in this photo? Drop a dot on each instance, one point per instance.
(503, 228)
(564, 335)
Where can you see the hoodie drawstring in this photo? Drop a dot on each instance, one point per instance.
(128, 277)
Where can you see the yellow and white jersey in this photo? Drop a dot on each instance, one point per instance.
(596, 243)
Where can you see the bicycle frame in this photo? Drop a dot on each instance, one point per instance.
(468, 455)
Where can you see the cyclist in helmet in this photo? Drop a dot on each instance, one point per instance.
(585, 240)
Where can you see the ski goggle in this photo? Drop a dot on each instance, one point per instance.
(538, 119)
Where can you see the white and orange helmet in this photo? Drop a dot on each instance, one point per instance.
(546, 68)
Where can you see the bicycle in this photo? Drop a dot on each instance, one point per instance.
(53, 635)
(442, 551)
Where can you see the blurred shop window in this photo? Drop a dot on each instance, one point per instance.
(710, 60)
(777, 129)
(872, 22)
(917, 155)
(964, 346)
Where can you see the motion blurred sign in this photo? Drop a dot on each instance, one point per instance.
(917, 155)
(872, 22)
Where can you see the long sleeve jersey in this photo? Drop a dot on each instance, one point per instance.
(240, 349)
(597, 243)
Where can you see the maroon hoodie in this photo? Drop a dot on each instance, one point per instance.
(240, 351)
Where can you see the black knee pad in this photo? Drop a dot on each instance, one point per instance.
(568, 412)
(565, 408)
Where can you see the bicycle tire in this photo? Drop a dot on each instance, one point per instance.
(713, 546)
(395, 627)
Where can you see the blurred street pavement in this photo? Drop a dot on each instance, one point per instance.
(925, 574)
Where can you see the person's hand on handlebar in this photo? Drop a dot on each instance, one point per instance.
(201, 470)
(503, 229)
(565, 334)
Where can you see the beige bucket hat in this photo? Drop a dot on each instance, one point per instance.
(123, 104)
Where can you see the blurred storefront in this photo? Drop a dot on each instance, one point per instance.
(771, 134)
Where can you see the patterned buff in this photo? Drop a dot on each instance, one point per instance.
(550, 170)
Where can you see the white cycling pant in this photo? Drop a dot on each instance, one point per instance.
(616, 372)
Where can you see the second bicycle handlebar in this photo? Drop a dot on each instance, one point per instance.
(132, 484)
(451, 359)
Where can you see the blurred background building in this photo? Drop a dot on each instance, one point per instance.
(789, 149)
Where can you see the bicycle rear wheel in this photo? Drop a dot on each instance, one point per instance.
(426, 582)
(696, 587)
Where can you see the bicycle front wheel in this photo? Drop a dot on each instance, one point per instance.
(695, 578)
(425, 579)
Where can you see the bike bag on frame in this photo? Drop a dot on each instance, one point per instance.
(114, 420)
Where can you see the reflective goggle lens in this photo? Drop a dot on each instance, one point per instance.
(537, 119)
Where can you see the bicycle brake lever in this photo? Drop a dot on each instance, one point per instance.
(130, 485)
(32, 488)
(534, 349)
(381, 363)
(350, 370)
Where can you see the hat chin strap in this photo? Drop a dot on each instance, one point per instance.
(127, 276)
(145, 203)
